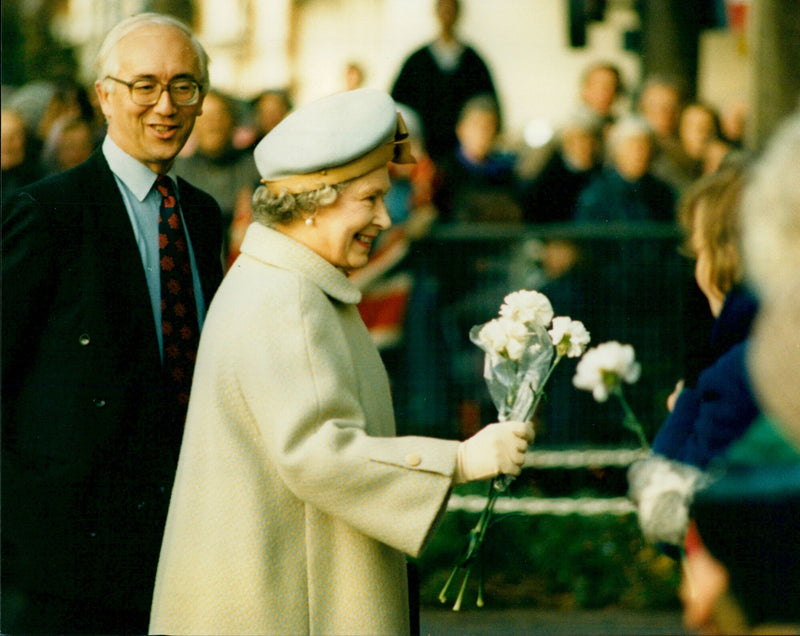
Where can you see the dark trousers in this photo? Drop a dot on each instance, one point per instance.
(413, 596)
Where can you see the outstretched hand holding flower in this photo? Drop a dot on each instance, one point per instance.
(520, 357)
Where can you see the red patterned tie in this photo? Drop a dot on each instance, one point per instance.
(178, 310)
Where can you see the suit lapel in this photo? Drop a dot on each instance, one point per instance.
(121, 281)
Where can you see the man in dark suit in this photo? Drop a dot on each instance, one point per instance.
(92, 421)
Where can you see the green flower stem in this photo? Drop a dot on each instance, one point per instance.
(498, 485)
(443, 593)
(457, 605)
(630, 421)
(466, 563)
(479, 602)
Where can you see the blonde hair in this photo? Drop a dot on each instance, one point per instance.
(711, 207)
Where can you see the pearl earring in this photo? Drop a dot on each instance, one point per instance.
(310, 220)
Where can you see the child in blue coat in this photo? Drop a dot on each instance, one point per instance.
(707, 417)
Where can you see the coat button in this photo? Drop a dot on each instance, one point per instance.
(84, 339)
(413, 459)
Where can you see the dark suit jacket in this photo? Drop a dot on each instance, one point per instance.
(90, 439)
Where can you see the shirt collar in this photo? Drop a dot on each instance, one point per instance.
(136, 176)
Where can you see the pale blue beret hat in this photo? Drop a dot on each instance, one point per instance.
(332, 140)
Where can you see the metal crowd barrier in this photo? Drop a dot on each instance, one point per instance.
(569, 459)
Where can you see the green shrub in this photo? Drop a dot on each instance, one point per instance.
(555, 561)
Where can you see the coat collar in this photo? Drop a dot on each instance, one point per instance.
(272, 247)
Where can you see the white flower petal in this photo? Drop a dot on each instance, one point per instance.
(608, 360)
(528, 306)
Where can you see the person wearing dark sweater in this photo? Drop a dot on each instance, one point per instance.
(477, 181)
(552, 195)
(707, 417)
(437, 79)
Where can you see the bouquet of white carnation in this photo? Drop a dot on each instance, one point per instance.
(520, 355)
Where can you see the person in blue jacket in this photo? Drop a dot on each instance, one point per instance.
(718, 409)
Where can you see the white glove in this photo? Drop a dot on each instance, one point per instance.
(495, 449)
(662, 490)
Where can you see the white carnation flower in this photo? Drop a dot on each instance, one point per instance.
(569, 337)
(492, 337)
(527, 306)
(504, 336)
(603, 368)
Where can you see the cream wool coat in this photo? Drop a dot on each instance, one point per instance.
(293, 502)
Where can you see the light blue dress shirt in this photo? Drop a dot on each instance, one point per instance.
(136, 183)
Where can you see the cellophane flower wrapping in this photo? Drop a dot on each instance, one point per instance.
(513, 377)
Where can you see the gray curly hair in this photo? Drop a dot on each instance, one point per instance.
(279, 209)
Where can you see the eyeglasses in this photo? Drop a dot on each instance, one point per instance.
(147, 92)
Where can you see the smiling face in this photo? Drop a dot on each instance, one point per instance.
(343, 232)
(151, 134)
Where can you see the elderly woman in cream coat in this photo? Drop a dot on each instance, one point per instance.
(294, 504)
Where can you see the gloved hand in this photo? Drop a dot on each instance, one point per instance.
(662, 490)
(495, 449)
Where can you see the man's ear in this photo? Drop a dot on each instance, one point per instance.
(102, 97)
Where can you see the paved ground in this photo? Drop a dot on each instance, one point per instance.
(507, 622)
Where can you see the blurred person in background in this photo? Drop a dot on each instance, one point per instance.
(629, 275)
(18, 156)
(31, 102)
(733, 121)
(438, 79)
(353, 76)
(477, 181)
(225, 172)
(626, 190)
(264, 111)
(269, 109)
(660, 103)
(698, 127)
(551, 196)
(600, 89)
(70, 141)
(69, 100)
